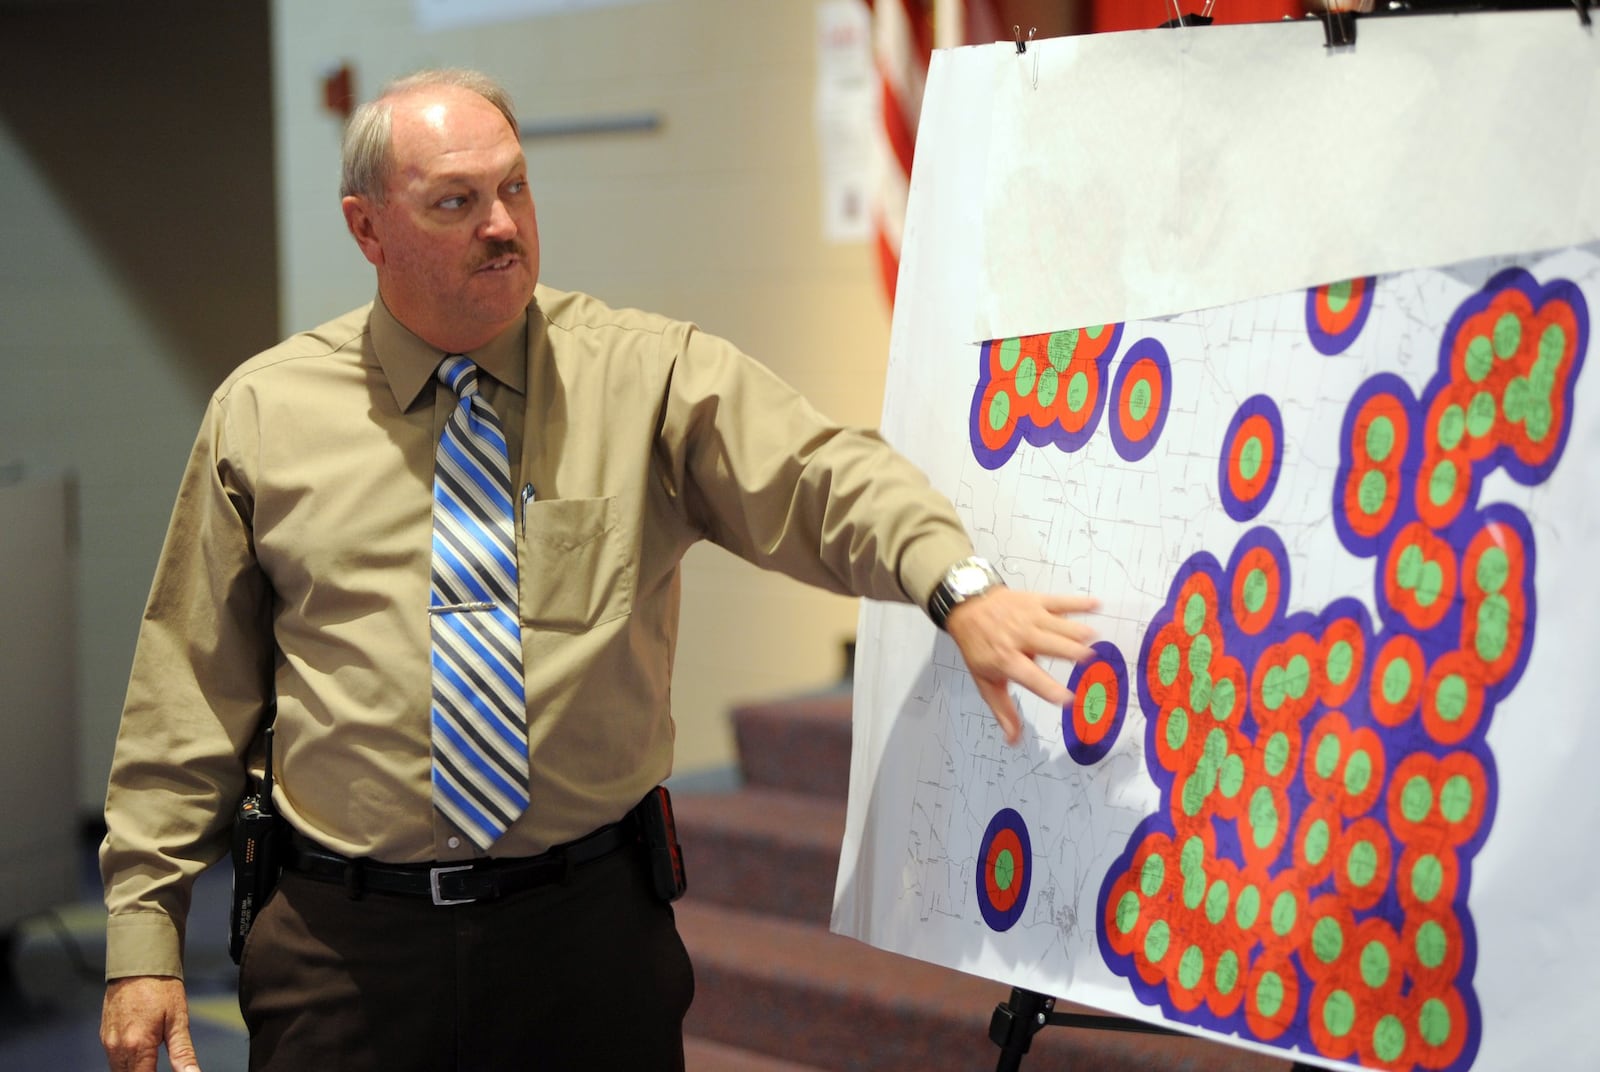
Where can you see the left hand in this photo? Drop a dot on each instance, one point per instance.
(1002, 632)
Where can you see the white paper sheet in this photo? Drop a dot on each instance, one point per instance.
(1083, 510)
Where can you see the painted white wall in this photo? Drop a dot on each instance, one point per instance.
(715, 217)
(135, 270)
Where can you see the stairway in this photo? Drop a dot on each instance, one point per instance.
(775, 991)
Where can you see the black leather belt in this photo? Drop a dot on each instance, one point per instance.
(451, 884)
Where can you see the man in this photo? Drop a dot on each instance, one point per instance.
(302, 569)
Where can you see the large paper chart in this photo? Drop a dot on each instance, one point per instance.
(1323, 791)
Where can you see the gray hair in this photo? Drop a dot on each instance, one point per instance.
(367, 142)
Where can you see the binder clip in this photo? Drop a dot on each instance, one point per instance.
(1338, 28)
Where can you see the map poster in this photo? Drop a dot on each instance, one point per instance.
(1314, 794)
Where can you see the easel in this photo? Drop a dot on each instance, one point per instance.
(1027, 1012)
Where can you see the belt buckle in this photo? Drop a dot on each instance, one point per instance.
(433, 884)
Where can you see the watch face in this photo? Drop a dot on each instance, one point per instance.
(970, 580)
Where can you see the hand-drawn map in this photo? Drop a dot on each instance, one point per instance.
(1344, 540)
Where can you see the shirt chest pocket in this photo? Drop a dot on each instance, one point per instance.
(575, 568)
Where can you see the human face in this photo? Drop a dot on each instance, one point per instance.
(455, 240)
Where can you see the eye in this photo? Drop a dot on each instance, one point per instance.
(458, 201)
(516, 187)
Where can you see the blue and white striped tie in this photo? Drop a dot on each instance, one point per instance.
(480, 722)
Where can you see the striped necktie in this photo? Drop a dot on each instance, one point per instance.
(480, 723)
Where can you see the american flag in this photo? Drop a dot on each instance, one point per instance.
(905, 33)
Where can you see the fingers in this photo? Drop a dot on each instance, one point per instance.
(180, 1048)
(140, 1014)
(1005, 711)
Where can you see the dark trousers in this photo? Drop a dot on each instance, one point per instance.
(587, 974)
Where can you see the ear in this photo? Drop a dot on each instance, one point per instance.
(358, 217)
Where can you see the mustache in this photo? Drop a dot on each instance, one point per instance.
(497, 248)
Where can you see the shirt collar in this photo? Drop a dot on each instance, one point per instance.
(409, 363)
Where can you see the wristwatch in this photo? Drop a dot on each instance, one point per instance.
(965, 580)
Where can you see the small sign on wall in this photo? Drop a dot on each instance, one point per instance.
(454, 14)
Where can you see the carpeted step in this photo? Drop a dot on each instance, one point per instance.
(703, 1055)
(783, 988)
(762, 850)
(800, 744)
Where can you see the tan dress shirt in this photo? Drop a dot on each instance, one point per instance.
(298, 559)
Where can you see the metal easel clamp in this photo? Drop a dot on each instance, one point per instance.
(1338, 28)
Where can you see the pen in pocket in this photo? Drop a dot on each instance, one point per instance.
(527, 497)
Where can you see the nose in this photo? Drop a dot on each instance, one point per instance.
(499, 224)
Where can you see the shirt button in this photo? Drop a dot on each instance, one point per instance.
(453, 842)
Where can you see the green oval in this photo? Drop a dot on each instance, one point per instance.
(1389, 1038)
(1328, 754)
(1380, 438)
(1481, 412)
(1339, 1013)
(1455, 799)
(1297, 676)
(1094, 703)
(1152, 875)
(1263, 817)
(1431, 585)
(1226, 973)
(1156, 941)
(1269, 994)
(1433, 1022)
(1284, 913)
(1427, 877)
(1196, 788)
(1479, 359)
(1194, 613)
(1408, 566)
(1273, 688)
(1250, 456)
(1338, 295)
(1450, 698)
(1362, 864)
(1005, 869)
(1049, 384)
(999, 411)
(1318, 838)
(1139, 401)
(1177, 728)
(1200, 692)
(1507, 335)
(1027, 376)
(1518, 397)
(1327, 939)
(1396, 680)
(1552, 344)
(1494, 569)
(1010, 350)
(1255, 591)
(1061, 347)
(1375, 964)
(1341, 660)
(1247, 907)
(1540, 418)
(1222, 699)
(1416, 799)
(1230, 778)
(1192, 857)
(1442, 484)
(1494, 619)
(1357, 772)
(1167, 665)
(1432, 944)
(1200, 654)
(1077, 391)
(1128, 912)
(1217, 901)
(1277, 754)
(1452, 426)
(1374, 489)
(1191, 967)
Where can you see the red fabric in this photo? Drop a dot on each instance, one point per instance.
(1145, 14)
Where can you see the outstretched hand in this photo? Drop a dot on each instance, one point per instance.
(1003, 632)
